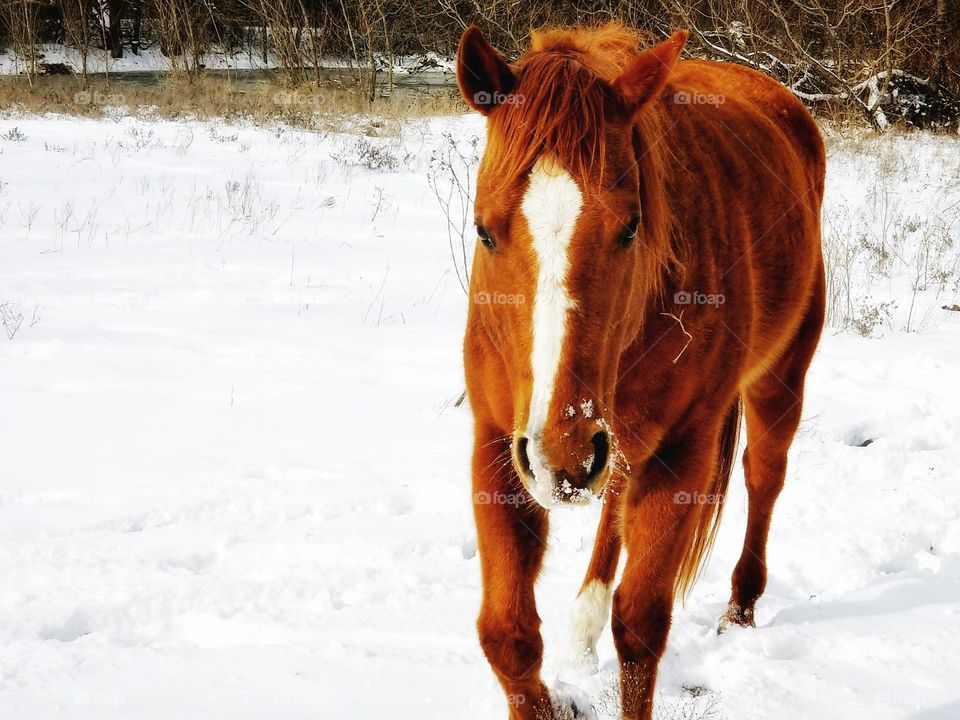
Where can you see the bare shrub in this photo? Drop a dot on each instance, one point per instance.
(21, 20)
(183, 28)
(368, 155)
(887, 247)
(452, 168)
(11, 318)
(78, 21)
(295, 34)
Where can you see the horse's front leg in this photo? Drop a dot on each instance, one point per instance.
(591, 609)
(511, 535)
(661, 506)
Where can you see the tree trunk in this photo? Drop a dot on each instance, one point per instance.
(137, 26)
(938, 67)
(114, 34)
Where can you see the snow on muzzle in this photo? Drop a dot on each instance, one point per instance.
(565, 464)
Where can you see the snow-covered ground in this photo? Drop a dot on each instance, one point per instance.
(233, 483)
(152, 60)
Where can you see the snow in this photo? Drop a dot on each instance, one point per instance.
(152, 60)
(234, 482)
(147, 60)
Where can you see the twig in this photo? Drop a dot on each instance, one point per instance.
(683, 330)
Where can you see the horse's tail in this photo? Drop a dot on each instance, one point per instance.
(709, 512)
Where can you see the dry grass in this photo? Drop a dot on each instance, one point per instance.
(891, 236)
(211, 97)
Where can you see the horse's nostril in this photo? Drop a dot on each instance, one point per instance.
(601, 450)
(524, 458)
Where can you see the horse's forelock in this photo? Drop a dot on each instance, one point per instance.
(558, 108)
(561, 101)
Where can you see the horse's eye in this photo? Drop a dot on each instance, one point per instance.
(485, 237)
(629, 232)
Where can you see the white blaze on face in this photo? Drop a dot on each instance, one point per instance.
(551, 206)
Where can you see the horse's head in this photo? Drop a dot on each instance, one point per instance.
(572, 238)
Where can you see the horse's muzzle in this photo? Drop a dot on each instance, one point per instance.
(569, 473)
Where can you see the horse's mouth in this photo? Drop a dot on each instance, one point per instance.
(550, 487)
(557, 491)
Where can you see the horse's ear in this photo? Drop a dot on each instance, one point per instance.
(647, 74)
(482, 74)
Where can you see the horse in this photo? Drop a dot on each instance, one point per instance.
(648, 272)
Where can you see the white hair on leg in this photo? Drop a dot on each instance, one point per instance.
(588, 617)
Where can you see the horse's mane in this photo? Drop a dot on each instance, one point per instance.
(560, 105)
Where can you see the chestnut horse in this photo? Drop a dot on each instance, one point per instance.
(649, 262)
